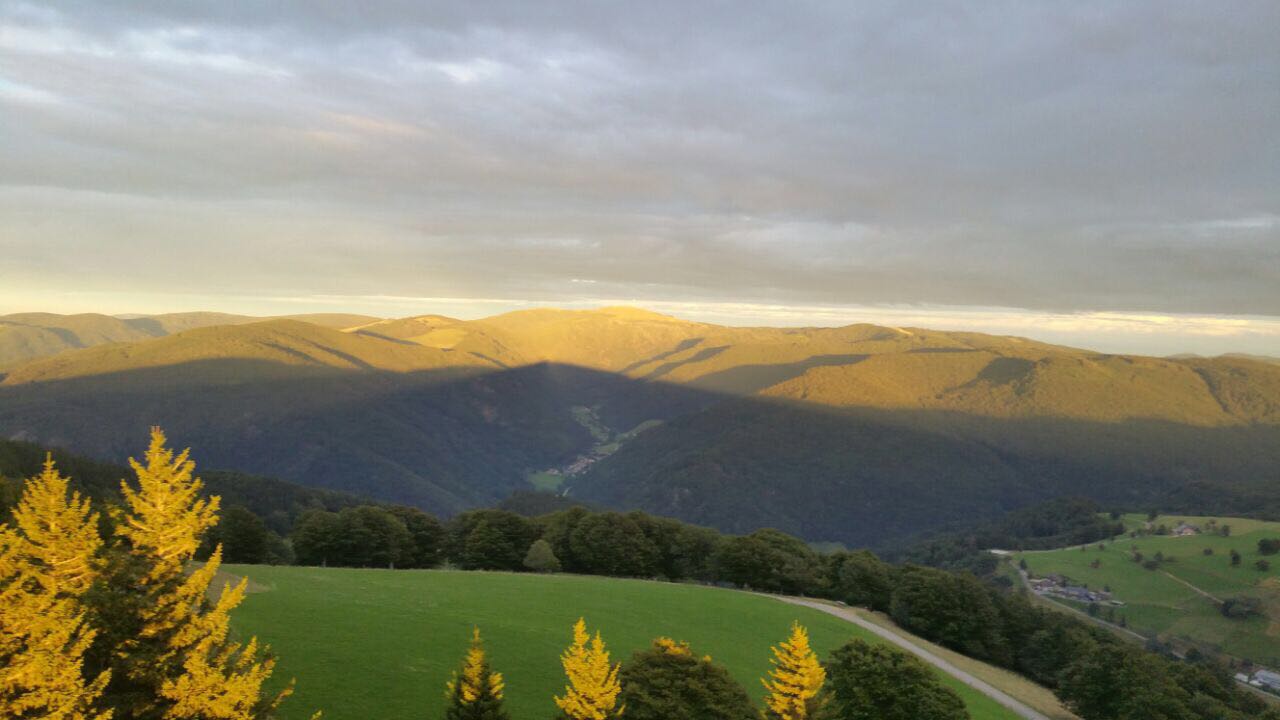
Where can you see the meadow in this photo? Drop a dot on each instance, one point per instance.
(382, 643)
(1177, 602)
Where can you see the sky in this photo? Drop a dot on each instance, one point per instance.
(1101, 174)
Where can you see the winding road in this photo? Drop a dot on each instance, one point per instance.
(985, 688)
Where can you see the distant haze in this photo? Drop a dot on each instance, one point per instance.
(1095, 174)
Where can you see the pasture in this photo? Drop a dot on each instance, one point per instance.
(1179, 600)
(382, 643)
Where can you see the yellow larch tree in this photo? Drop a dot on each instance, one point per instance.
(795, 680)
(47, 563)
(475, 691)
(178, 663)
(592, 692)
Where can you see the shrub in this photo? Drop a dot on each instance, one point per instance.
(877, 682)
(541, 558)
(1241, 607)
(669, 682)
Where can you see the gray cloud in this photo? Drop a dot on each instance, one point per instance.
(1060, 157)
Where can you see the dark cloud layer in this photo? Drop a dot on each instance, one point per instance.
(1051, 156)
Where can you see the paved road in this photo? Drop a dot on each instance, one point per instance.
(845, 613)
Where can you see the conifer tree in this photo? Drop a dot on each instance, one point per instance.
(475, 692)
(592, 692)
(173, 658)
(795, 680)
(46, 565)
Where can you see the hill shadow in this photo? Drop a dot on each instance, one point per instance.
(679, 348)
(447, 440)
(749, 379)
(444, 440)
(874, 477)
(704, 354)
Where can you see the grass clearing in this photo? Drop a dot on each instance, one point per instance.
(545, 481)
(1164, 602)
(380, 643)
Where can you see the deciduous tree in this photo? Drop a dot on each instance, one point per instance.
(876, 682)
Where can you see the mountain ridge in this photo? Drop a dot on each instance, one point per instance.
(794, 427)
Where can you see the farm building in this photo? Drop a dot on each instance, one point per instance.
(1267, 679)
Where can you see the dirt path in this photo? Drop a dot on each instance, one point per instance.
(848, 614)
(1195, 589)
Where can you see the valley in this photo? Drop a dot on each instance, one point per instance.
(861, 435)
(607, 442)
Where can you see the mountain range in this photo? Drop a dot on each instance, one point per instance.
(25, 336)
(860, 434)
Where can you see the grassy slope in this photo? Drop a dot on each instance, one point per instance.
(1157, 604)
(376, 643)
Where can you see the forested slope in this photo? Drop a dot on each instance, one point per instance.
(861, 434)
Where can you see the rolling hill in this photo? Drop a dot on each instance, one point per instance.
(27, 336)
(326, 624)
(860, 434)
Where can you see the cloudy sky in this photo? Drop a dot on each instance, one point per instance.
(1105, 174)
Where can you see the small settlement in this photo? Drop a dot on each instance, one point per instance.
(1263, 679)
(1060, 587)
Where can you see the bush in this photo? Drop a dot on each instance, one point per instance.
(669, 682)
(1262, 565)
(1268, 546)
(877, 682)
(541, 558)
(1241, 607)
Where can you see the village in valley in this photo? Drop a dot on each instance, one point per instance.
(607, 442)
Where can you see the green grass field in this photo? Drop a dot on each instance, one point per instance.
(545, 481)
(1164, 602)
(381, 644)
